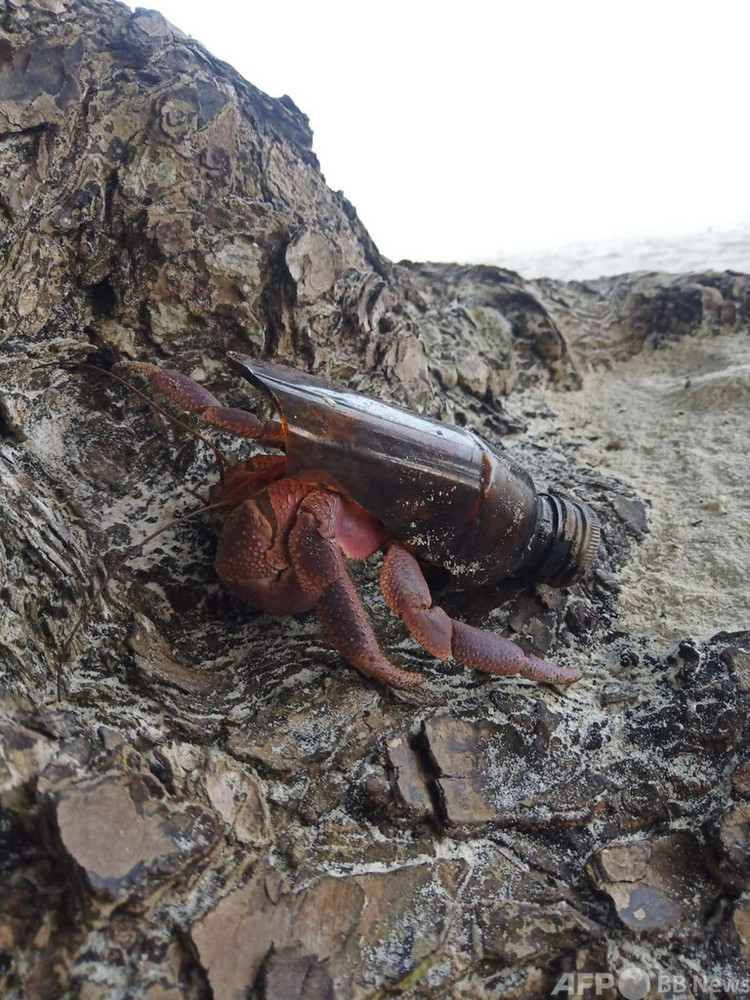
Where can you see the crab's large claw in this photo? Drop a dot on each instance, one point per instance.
(406, 591)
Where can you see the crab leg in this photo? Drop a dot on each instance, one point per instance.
(407, 594)
(194, 398)
(322, 525)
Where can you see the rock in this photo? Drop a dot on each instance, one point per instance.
(736, 934)
(155, 664)
(332, 920)
(24, 753)
(301, 729)
(580, 616)
(232, 790)
(126, 838)
(741, 781)
(738, 658)
(287, 975)
(313, 265)
(656, 885)
(196, 798)
(618, 693)
(632, 512)
(734, 846)
(482, 775)
(413, 776)
(239, 799)
(522, 933)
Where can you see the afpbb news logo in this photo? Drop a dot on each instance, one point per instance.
(634, 983)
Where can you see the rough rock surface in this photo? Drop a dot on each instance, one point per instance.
(199, 802)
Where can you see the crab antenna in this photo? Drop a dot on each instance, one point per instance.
(109, 575)
(221, 460)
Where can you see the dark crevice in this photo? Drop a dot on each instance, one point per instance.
(100, 356)
(103, 298)
(278, 299)
(431, 772)
(31, 130)
(109, 195)
(9, 430)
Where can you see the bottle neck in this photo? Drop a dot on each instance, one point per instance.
(563, 543)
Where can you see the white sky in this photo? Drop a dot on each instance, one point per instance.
(462, 130)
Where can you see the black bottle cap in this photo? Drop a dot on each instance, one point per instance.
(564, 543)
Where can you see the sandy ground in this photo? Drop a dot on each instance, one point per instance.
(677, 422)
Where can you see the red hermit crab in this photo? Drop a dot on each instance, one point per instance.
(357, 475)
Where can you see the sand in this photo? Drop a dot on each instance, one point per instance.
(677, 423)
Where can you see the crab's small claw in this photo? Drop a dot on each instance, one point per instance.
(194, 398)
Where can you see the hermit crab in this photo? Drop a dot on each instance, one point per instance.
(353, 475)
